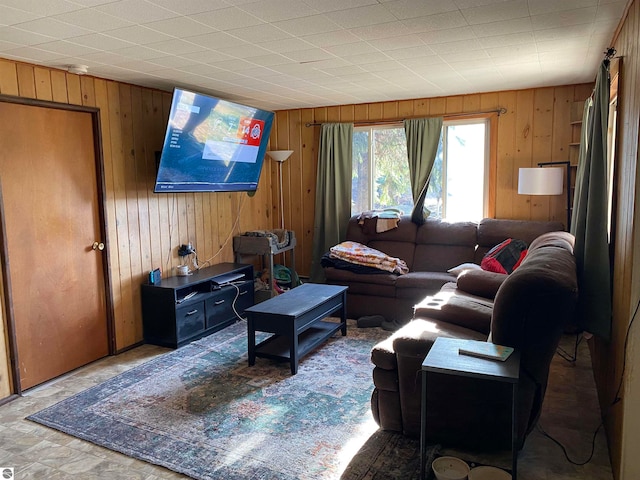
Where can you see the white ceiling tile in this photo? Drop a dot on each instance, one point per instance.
(462, 4)
(42, 8)
(245, 51)
(384, 30)
(517, 25)
(308, 56)
(100, 41)
(31, 54)
(393, 43)
(180, 27)
(611, 11)
(349, 49)
(216, 41)
(496, 12)
(92, 19)
(136, 11)
(52, 28)
(269, 60)
(471, 55)
(564, 18)
(411, 52)
(260, 33)
(66, 48)
(365, 59)
(513, 39)
(538, 7)
(562, 33)
(227, 19)
(207, 56)
(289, 53)
(23, 37)
(176, 47)
(11, 16)
(138, 34)
(406, 9)
(170, 61)
(333, 5)
(446, 36)
(286, 45)
(456, 46)
(362, 16)
(442, 21)
(308, 25)
(385, 66)
(338, 37)
(277, 10)
(140, 52)
(189, 7)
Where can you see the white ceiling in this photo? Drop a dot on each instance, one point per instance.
(281, 54)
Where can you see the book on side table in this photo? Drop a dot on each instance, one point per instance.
(487, 350)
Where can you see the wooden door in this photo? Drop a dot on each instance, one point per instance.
(50, 200)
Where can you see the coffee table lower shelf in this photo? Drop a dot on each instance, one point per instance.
(278, 347)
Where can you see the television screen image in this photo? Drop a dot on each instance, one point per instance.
(212, 145)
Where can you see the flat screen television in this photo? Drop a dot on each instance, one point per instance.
(212, 145)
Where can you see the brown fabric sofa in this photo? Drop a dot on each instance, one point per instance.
(527, 309)
(429, 250)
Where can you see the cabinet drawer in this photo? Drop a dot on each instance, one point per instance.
(219, 308)
(190, 320)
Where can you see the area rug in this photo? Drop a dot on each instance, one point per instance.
(202, 411)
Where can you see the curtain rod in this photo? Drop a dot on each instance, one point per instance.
(499, 111)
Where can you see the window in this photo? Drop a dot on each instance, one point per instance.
(458, 185)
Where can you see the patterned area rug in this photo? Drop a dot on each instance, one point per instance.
(202, 411)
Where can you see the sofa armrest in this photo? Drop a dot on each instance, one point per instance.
(480, 282)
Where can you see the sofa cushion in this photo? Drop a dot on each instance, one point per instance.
(480, 282)
(417, 284)
(458, 308)
(417, 336)
(440, 258)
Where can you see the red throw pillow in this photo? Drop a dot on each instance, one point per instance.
(505, 257)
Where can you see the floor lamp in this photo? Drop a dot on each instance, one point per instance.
(546, 181)
(280, 156)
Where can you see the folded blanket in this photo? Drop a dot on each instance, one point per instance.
(385, 219)
(360, 254)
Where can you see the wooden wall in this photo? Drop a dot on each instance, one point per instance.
(144, 229)
(622, 419)
(536, 128)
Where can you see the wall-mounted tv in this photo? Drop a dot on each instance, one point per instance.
(212, 145)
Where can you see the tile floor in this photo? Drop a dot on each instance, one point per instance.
(35, 452)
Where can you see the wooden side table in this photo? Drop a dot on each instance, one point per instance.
(444, 358)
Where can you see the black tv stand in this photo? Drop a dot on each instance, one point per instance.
(180, 310)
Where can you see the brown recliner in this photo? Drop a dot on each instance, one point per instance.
(529, 312)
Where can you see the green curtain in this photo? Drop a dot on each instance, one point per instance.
(333, 192)
(423, 137)
(589, 220)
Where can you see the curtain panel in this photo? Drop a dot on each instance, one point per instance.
(333, 192)
(590, 213)
(423, 137)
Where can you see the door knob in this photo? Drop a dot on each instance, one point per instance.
(98, 246)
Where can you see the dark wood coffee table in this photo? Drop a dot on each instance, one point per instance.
(296, 320)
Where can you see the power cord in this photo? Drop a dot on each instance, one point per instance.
(616, 399)
(564, 450)
(235, 299)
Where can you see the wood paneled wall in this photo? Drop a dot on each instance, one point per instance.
(536, 128)
(144, 229)
(622, 419)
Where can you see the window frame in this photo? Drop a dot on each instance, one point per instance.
(491, 144)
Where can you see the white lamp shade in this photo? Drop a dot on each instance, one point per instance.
(540, 181)
(280, 155)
